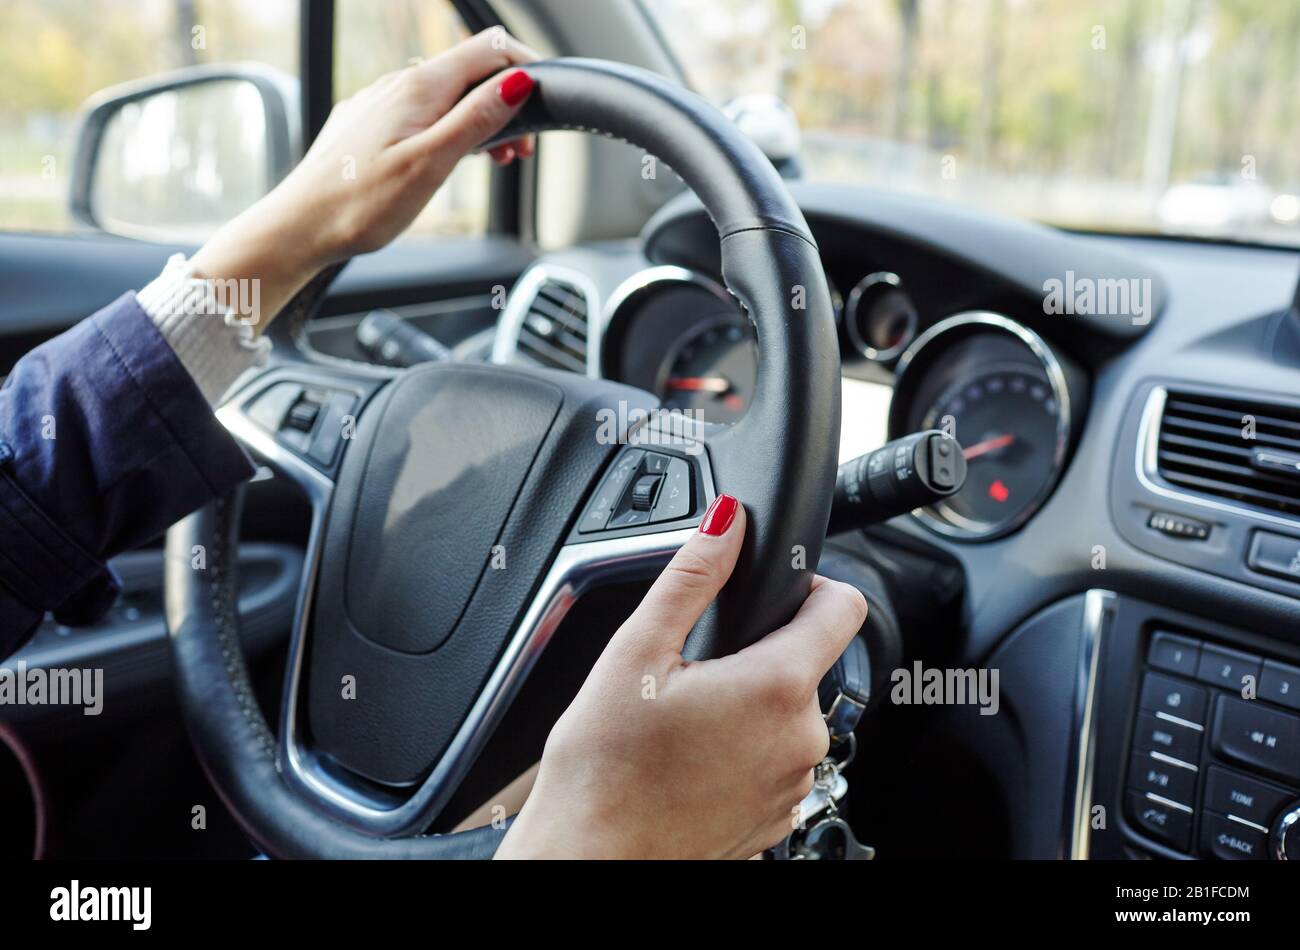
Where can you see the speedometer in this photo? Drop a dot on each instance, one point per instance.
(1006, 420)
(1006, 397)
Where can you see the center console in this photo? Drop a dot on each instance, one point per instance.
(1198, 740)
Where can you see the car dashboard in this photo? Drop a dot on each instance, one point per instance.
(1126, 550)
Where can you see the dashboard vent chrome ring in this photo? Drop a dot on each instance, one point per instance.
(1238, 448)
(548, 321)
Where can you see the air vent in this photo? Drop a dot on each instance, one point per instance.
(1232, 448)
(554, 329)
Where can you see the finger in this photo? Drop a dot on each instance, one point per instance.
(525, 147)
(689, 583)
(466, 64)
(503, 154)
(830, 617)
(476, 118)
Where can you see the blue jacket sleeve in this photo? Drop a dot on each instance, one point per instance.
(105, 441)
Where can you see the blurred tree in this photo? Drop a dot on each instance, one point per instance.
(186, 52)
(909, 15)
(987, 119)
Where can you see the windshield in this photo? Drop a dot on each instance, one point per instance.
(1155, 116)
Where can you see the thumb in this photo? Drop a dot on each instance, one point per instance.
(479, 116)
(690, 582)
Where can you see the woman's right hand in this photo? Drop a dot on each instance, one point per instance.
(658, 757)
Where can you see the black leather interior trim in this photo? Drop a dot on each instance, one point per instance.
(735, 181)
(780, 460)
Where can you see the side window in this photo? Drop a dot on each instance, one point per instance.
(55, 54)
(374, 37)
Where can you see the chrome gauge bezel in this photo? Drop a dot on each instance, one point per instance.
(953, 525)
(853, 328)
(692, 334)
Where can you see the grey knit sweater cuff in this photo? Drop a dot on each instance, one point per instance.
(207, 323)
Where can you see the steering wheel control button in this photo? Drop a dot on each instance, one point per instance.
(329, 434)
(1264, 739)
(642, 488)
(631, 518)
(1163, 820)
(1275, 554)
(308, 420)
(1169, 738)
(1231, 793)
(656, 464)
(270, 408)
(304, 412)
(1165, 776)
(674, 500)
(1227, 668)
(1231, 839)
(610, 492)
(1181, 700)
(644, 491)
(1174, 654)
(1176, 526)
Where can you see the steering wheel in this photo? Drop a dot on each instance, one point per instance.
(459, 510)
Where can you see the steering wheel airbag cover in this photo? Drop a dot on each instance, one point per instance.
(450, 455)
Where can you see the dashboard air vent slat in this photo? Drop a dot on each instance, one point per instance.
(1208, 444)
(554, 329)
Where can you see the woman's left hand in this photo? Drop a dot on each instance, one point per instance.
(373, 168)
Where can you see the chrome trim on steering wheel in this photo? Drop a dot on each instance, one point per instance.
(576, 568)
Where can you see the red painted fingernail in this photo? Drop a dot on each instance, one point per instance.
(515, 88)
(719, 516)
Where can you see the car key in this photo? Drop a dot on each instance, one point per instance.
(845, 689)
(830, 838)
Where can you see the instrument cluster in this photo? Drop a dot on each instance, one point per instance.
(996, 386)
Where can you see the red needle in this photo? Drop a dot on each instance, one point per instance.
(700, 384)
(988, 445)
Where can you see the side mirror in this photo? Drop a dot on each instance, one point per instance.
(175, 156)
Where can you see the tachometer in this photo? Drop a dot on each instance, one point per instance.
(712, 370)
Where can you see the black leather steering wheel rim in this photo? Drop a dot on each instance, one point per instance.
(779, 460)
